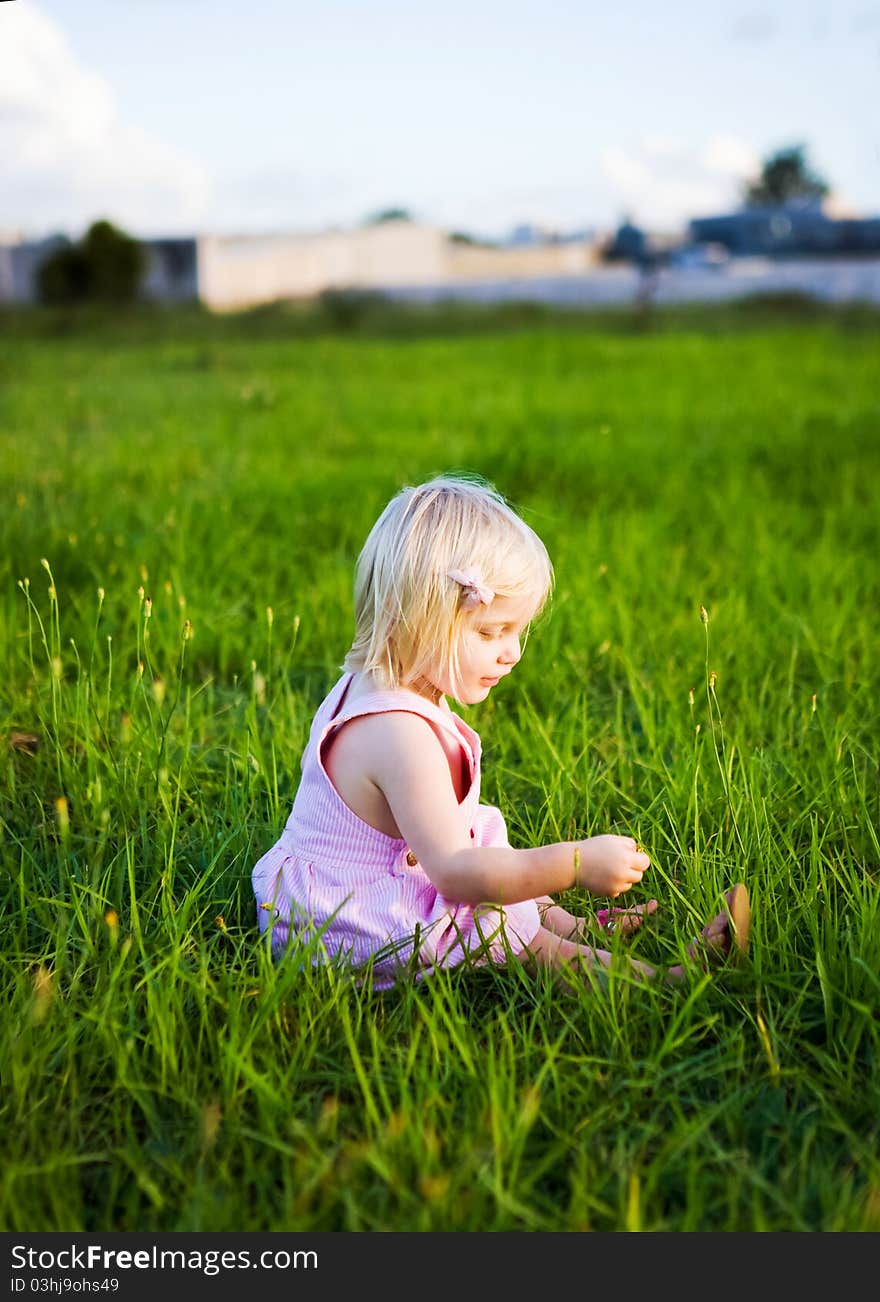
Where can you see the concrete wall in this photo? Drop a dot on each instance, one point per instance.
(468, 262)
(241, 271)
(835, 280)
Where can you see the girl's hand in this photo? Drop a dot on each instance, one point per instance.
(609, 865)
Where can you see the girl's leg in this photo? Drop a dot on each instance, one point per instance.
(549, 950)
(727, 933)
(562, 923)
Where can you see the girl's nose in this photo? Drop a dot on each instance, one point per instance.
(510, 652)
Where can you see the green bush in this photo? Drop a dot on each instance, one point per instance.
(64, 276)
(105, 266)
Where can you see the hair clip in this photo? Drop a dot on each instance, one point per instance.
(476, 593)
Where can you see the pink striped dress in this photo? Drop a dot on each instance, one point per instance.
(361, 891)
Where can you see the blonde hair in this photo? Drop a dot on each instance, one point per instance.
(410, 615)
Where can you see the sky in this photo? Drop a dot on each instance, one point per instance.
(175, 117)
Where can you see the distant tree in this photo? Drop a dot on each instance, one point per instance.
(474, 241)
(785, 175)
(64, 276)
(116, 261)
(105, 266)
(389, 215)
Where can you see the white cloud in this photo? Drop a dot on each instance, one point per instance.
(66, 156)
(662, 182)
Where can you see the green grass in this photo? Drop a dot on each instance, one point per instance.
(181, 474)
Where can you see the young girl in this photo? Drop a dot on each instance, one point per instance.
(388, 855)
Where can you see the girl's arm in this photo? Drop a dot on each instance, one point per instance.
(407, 764)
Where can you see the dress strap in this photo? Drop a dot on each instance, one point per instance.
(386, 702)
(406, 702)
(403, 701)
(338, 704)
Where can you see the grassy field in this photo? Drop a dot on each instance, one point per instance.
(183, 501)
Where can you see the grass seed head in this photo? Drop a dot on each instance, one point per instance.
(434, 1187)
(212, 1115)
(62, 813)
(329, 1113)
(704, 615)
(43, 994)
(111, 922)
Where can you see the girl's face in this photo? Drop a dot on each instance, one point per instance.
(490, 647)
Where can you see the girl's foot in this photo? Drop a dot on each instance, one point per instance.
(625, 921)
(728, 933)
(726, 936)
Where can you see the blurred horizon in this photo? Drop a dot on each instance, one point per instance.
(189, 118)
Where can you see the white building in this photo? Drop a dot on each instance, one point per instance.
(228, 272)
